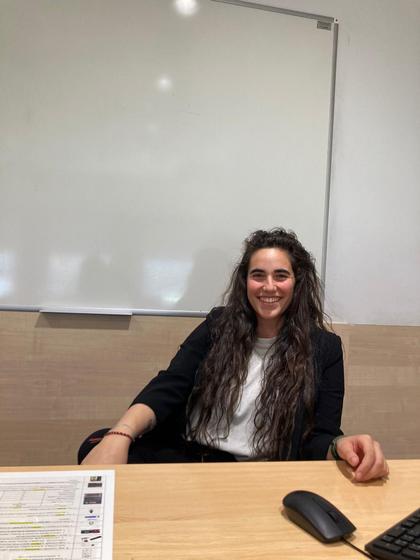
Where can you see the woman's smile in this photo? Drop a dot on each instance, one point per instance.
(269, 300)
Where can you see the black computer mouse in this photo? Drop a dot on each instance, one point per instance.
(317, 516)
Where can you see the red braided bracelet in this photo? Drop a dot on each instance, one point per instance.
(115, 433)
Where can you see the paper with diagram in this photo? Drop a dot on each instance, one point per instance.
(59, 515)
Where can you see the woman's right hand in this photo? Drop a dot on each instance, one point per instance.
(112, 450)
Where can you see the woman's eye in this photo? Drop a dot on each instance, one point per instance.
(282, 277)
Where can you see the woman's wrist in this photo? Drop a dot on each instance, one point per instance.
(114, 440)
(126, 429)
(137, 420)
(121, 434)
(333, 448)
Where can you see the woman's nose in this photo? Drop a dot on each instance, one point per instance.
(269, 283)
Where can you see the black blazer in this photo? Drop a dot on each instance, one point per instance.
(167, 394)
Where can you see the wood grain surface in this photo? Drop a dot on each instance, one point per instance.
(63, 376)
(220, 511)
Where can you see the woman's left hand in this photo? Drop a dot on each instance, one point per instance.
(364, 455)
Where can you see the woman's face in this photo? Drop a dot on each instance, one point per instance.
(270, 285)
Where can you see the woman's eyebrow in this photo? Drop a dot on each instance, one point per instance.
(276, 271)
(282, 270)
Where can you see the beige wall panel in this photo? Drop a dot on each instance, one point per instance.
(63, 376)
(383, 386)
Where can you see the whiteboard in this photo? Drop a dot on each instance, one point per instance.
(142, 143)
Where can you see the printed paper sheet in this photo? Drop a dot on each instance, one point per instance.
(60, 515)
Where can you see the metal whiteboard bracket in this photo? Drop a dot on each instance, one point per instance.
(104, 311)
(126, 312)
(266, 7)
(330, 148)
(169, 313)
(324, 25)
(86, 310)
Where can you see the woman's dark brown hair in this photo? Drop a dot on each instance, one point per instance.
(288, 378)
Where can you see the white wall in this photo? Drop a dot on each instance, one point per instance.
(373, 258)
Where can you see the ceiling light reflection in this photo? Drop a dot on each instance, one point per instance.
(186, 7)
(167, 277)
(63, 274)
(164, 83)
(7, 264)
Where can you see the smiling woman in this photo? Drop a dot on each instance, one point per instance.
(270, 286)
(260, 379)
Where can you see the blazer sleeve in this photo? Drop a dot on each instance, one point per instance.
(171, 388)
(329, 396)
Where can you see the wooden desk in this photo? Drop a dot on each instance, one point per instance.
(233, 511)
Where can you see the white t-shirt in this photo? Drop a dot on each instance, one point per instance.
(242, 429)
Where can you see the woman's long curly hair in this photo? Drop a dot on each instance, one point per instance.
(288, 379)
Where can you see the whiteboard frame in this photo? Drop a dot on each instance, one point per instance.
(185, 313)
